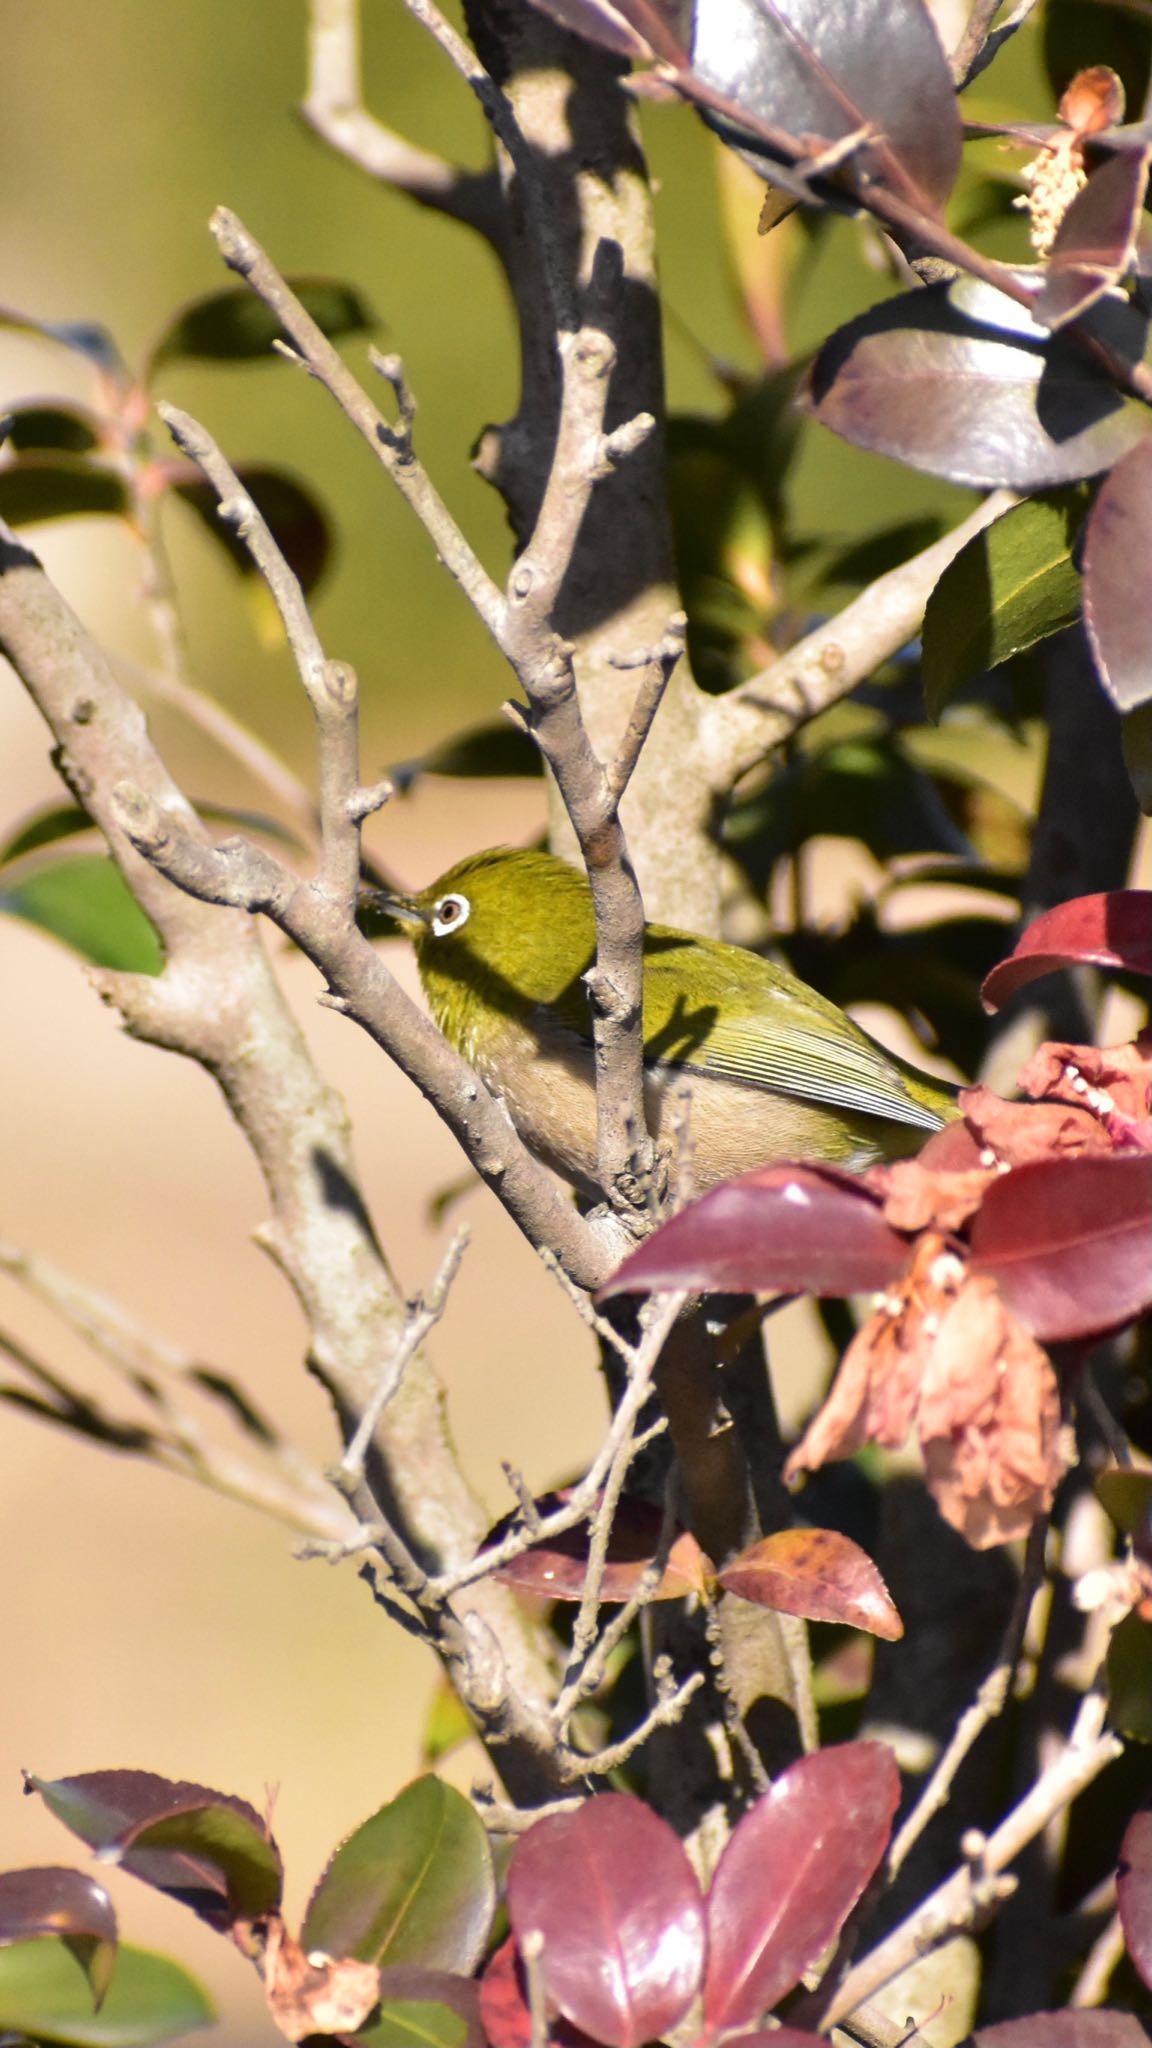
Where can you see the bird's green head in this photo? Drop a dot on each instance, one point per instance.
(506, 928)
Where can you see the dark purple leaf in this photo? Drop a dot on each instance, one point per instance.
(1117, 550)
(823, 73)
(598, 22)
(1134, 1892)
(556, 1568)
(1068, 1243)
(818, 1574)
(64, 1902)
(1097, 238)
(413, 1884)
(1113, 929)
(982, 396)
(57, 485)
(613, 1896)
(207, 1849)
(1100, 2029)
(504, 2007)
(74, 428)
(796, 1228)
(297, 524)
(791, 1874)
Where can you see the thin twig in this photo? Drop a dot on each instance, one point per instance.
(1102, 1959)
(981, 42)
(333, 107)
(990, 1701)
(666, 1712)
(965, 1898)
(423, 1315)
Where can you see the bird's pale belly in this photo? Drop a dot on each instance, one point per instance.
(730, 1126)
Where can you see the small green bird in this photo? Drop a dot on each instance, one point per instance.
(776, 1071)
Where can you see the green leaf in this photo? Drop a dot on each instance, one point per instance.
(84, 901)
(1126, 1493)
(44, 1995)
(852, 789)
(233, 326)
(225, 1841)
(84, 337)
(1011, 586)
(45, 827)
(1130, 1678)
(415, 2023)
(74, 428)
(414, 1884)
(481, 750)
(59, 486)
(67, 1905)
(1136, 739)
(297, 524)
(448, 1723)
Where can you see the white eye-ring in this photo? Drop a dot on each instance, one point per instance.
(450, 914)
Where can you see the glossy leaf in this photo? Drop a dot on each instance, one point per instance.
(207, 1849)
(613, 1895)
(986, 401)
(1067, 1241)
(818, 1574)
(1113, 929)
(68, 1904)
(791, 1874)
(235, 326)
(1010, 587)
(44, 1995)
(297, 523)
(1134, 1892)
(823, 73)
(84, 901)
(504, 2008)
(425, 2009)
(556, 1568)
(74, 428)
(1099, 2029)
(793, 1228)
(413, 1884)
(1129, 1668)
(1117, 550)
(59, 486)
(1096, 241)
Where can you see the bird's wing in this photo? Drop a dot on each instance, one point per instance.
(769, 1030)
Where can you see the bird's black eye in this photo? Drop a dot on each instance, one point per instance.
(450, 913)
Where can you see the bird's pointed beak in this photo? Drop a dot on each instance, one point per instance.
(403, 910)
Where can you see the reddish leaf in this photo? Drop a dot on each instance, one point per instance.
(972, 391)
(823, 72)
(207, 1849)
(598, 23)
(1096, 240)
(1134, 1892)
(795, 1228)
(816, 1573)
(1117, 548)
(504, 2007)
(56, 1900)
(1099, 2029)
(791, 1874)
(613, 1896)
(1113, 929)
(1068, 1243)
(556, 1568)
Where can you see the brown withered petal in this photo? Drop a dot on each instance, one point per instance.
(1018, 1132)
(918, 1198)
(1072, 1073)
(1093, 101)
(988, 1419)
(952, 1363)
(315, 1994)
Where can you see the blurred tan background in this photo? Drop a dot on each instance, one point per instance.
(145, 1623)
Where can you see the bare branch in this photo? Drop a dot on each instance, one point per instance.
(981, 42)
(1102, 1960)
(334, 108)
(966, 1897)
(741, 728)
(423, 1315)
(243, 254)
(667, 1711)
